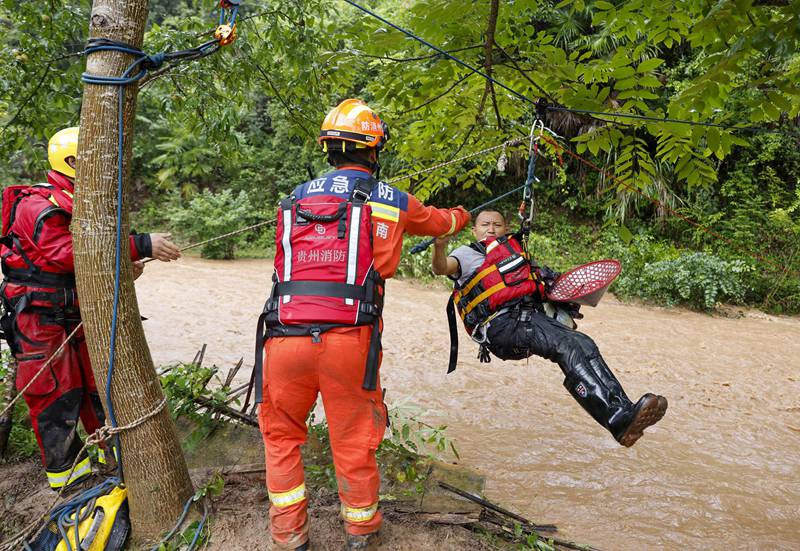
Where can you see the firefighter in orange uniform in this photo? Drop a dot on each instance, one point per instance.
(339, 237)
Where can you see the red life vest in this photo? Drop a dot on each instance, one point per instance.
(504, 277)
(324, 275)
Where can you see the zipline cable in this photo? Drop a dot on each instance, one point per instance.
(665, 120)
(419, 247)
(533, 102)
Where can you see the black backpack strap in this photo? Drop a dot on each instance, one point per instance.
(453, 326)
(373, 356)
(320, 289)
(257, 377)
(362, 190)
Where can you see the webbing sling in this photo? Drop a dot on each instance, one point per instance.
(453, 327)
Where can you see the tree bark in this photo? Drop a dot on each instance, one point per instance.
(154, 467)
(488, 61)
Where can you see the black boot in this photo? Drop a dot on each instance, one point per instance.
(596, 389)
(648, 411)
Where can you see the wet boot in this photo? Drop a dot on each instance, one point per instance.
(596, 389)
(367, 542)
(648, 411)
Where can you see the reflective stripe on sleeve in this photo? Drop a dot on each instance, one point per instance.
(387, 212)
(359, 514)
(57, 480)
(285, 499)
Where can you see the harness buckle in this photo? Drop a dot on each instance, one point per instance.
(315, 333)
(361, 195)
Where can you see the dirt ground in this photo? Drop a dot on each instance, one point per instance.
(238, 522)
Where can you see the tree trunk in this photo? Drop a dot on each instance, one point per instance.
(154, 467)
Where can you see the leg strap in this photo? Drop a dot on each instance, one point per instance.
(453, 327)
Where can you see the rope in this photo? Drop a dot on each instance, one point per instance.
(534, 102)
(665, 119)
(223, 236)
(510, 143)
(100, 435)
(41, 370)
(441, 51)
(673, 212)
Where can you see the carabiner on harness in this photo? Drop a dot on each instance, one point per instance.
(531, 179)
(480, 333)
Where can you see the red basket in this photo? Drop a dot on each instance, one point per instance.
(585, 284)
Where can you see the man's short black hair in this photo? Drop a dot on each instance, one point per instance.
(475, 220)
(361, 157)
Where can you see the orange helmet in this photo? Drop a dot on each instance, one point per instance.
(353, 121)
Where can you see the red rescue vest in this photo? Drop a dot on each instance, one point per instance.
(17, 266)
(324, 275)
(504, 277)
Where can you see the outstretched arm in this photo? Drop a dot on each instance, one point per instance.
(441, 264)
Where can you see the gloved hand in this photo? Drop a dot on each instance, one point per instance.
(573, 309)
(548, 275)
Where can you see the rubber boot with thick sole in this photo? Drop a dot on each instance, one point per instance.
(647, 412)
(598, 391)
(367, 542)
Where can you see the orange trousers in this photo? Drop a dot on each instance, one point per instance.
(295, 371)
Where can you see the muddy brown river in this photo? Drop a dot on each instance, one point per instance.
(721, 471)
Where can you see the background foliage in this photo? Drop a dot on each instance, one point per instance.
(242, 124)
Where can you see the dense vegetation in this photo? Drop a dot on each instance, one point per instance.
(221, 139)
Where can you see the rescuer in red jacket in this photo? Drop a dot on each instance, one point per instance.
(339, 237)
(41, 309)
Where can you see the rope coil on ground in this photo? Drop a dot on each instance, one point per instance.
(100, 435)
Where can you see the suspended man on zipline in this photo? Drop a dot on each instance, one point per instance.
(504, 300)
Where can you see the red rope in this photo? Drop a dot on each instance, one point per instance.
(655, 201)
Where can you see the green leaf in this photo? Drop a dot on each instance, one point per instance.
(626, 235)
(602, 5)
(649, 64)
(626, 84)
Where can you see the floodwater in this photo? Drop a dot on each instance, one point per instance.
(720, 471)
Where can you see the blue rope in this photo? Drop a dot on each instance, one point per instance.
(135, 72)
(121, 82)
(61, 514)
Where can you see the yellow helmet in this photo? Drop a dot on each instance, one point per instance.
(62, 145)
